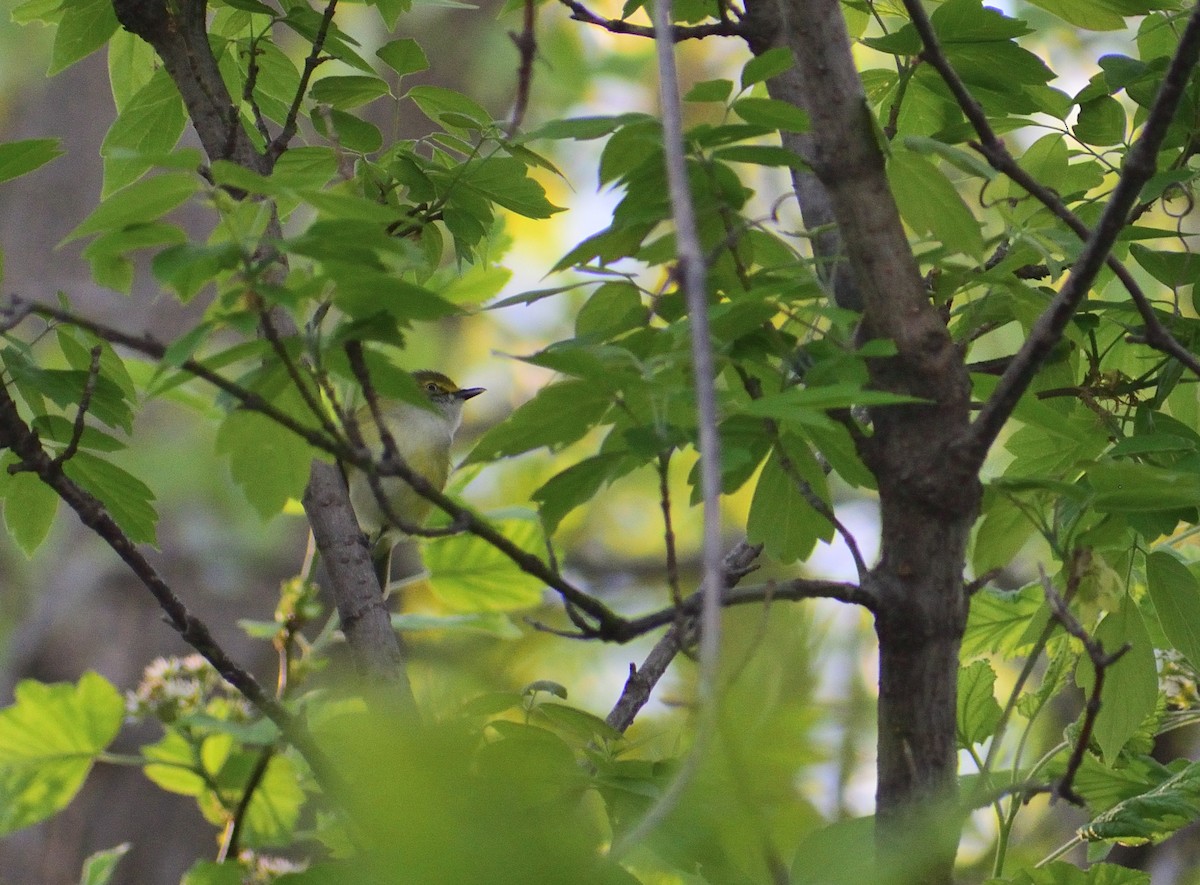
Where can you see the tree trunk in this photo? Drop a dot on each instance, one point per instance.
(929, 493)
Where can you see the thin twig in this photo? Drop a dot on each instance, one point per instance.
(738, 563)
(664, 500)
(526, 43)
(85, 402)
(692, 276)
(1101, 661)
(679, 33)
(280, 144)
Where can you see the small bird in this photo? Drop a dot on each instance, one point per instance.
(423, 437)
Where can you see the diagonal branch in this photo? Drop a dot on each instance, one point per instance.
(1140, 165)
(314, 59)
(16, 435)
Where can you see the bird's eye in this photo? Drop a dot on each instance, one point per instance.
(431, 387)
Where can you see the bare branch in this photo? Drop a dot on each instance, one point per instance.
(1101, 661)
(526, 43)
(679, 33)
(280, 144)
(85, 401)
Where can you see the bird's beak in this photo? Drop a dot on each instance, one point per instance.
(468, 392)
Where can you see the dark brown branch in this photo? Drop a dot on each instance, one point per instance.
(526, 43)
(85, 402)
(290, 125)
(738, 563)
(664, 500)
(679, 33)
(1140, 164)
(24, 443)
(1101, 661)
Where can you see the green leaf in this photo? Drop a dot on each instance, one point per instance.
(207, 872)
(150, 125)
(84, 27)
(404, 56)
(19, 157)
(709, 90)
(978, 712)
(1133, 487)
(1175, 592)
(772, 113)
(449, 108)
(505, 181)
(275, 806)
(764, 67)
(470, 575)
(1130, 689)
(578, 484)
(98, 868)
(929, 203)
(780, 517)
(189, 267)
(269, 463)
(1151, 816)
(348, 91)
(1172, 269)
(126, 497)
(1001, 534)
(1101, 122)
(29, 509)
(49, 739)
(139, 203)
(761, 155)
(998, 623)
(559, 414)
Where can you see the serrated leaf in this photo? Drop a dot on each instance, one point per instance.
(49, 739)
(20, 157)
(1101, 122)
(978, 712)
(403, 55)
(1151, 816)
(470, 575)
(436, 102)
(578, 484)
(149, 125)
(1132, 487)
(709, 90)
(126, 497)
(84, 26)
(505, 181)
(349, 91)
(999, 622)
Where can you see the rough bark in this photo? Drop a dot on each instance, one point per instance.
(929, 495)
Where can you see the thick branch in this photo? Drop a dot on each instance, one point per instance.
(361, 609)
